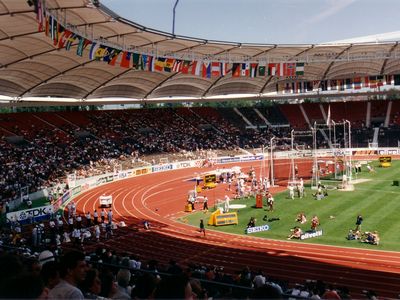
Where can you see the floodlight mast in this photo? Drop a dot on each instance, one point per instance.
(173, 17)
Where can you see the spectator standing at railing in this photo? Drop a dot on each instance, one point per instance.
(69, 207)
(88, 219)
(95, 217)
(110, 216)
(103, 215)
(60, 225)
(70, 224)
(78, 221)
(73, 208)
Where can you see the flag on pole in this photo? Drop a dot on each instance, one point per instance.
(328, 118)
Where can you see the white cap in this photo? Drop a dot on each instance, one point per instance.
(45, 256)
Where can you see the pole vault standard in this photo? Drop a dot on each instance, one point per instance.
(262, 166)
(346, 152)
(293, 134)
(271, 164)
(315, 171)
(271, 158)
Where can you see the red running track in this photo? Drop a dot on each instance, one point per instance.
(161, 197)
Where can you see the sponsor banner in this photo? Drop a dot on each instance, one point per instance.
(230, 159)
(311, 234)
(257, 229)
(141, 171)
(61, 200)
(85, 187)
(76, 190)
(66, 196)
(36, 214)
(121, 175)
(364, 152)
(251, 157)
(187, 164)
(225, 160)
(162, 168)
(104, 179)
(56, 204)
(388, 151)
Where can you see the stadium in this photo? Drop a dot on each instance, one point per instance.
(118, 140)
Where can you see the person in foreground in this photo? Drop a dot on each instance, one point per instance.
(73, 272)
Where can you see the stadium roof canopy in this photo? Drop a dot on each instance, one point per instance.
(33, 69)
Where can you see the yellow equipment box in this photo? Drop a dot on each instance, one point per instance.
(210, 181)
(218, 219)
(385, 161)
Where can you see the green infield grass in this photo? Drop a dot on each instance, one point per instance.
(375, 198)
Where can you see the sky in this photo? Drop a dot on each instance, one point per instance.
(265, 21)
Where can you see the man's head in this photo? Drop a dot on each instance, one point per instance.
(73, 267)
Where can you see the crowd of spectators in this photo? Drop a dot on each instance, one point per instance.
(112, 140)
(105, 274)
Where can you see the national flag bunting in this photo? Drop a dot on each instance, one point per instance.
(82, 44)
(215, 69)
(261, 70)
(245, 70)
(289, 69)
(196, 67)
(357, 83)
(70, 41)
(253, 70)
(126, 59)
(236, 69)
(177, 67)
(112, 56)
(372, 82)
(159, 64)
(137, 61)
(299, 69)
(185, 66)
(206, 69)
(223, 67)
(40, 15)
(169, 63)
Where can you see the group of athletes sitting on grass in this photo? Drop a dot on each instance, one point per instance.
(364, 237)
(296, 232)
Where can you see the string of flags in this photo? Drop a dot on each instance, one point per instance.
(356, 83)
(291, 71)
(65, 38)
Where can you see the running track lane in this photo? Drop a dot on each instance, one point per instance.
(161, 197)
